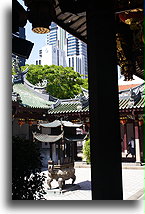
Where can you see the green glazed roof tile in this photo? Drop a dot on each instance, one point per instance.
(29, 98)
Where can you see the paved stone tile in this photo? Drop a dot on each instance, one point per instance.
(133, 182)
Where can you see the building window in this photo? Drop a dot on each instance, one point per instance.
(39, 62)
(36, 62)
(72, 61)
(40, 53)
(58, 57)
(80, 67)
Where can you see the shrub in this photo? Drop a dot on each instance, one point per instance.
(86, 151)
(27, 182)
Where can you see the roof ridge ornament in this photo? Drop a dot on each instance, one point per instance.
(134, 96)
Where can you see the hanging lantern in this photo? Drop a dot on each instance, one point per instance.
(30, 122)
(21, 122)
(87, 120)
(140, 122)
(131, 17)
(123, 121)
(40, 15)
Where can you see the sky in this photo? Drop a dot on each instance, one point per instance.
(37, 39)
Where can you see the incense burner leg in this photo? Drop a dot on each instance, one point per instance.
(60, 183)
(49, 180)
(73, 179)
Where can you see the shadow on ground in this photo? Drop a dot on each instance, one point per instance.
(85, 185)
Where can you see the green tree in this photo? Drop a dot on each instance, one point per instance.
(86, 151)
(27, 182)
(62, 82)
(85, 83)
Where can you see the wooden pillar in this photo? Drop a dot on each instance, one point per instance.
(125, 138)
(51, 151)
(54, 157)
(59, 154)
(137, 142)
(106, 173)
(141, 137)
(75, 150)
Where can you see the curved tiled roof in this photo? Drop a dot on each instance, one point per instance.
(47, 138)
(29, 98)
(124, 87)
(53, 124)
(127, 104)
(68, 108)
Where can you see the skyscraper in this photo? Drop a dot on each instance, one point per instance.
(70, 50)
(77, 55)
(57, 37)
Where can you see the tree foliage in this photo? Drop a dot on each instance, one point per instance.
(85, 83)
(27, 182)
(62, 82)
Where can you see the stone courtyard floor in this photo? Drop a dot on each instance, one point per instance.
(133, 184)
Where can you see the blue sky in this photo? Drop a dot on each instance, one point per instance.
(37, 39)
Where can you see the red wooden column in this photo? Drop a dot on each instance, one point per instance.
(125, 138)
(137, 142)
(141, 135)
(106, 173)
(123, 122)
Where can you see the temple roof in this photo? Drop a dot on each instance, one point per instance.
(126, 101)
(53, 124)
(128, 104)
(47, 138)
(70, 107)
(70, 124)
(124, 87)
(57, 123)
(29, 98)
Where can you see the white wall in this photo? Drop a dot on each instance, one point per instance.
(51, 55)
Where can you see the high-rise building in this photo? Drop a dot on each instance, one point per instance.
(70, 50)
(77, 55)
(57, 37)
(51, 55)
(52, 36)
(54, 51)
